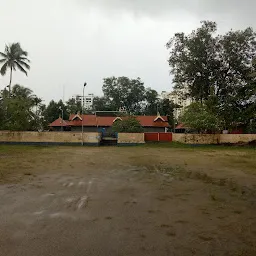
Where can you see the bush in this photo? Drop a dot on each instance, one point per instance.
(199, 117)
(129, 125)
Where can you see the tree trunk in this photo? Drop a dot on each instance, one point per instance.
(10, 82)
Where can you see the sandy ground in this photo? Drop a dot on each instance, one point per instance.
(127, 201)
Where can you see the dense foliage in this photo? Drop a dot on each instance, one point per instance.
(129, 125)
(21, 111)
(199, 117)
(54, 110)
(133, 97)
(218, 70)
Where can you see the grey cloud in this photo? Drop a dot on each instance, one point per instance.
(240, 12)
(72, 41)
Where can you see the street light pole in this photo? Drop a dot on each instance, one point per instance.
(83, 116)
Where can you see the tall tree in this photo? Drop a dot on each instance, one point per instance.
(123, 92)
(193, 60)
(216, 69)
(152, 102)
(18, 112)
(54, 110)
(102, 104)
(14, 57)
(166, 108)
(73, 106)
(235, 89)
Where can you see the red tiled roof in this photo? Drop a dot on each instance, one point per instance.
(92, 120)
(181, 126)
(105, 120)
(89, 120)
(72, 116)
(59, 122)
(148, 121)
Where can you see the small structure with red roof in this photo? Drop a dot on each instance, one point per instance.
(94, 123)
(181, 128)
(60, 124)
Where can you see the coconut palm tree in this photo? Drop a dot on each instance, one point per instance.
(14, 58)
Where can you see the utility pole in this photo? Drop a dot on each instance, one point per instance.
(83, 116)
(61, 118)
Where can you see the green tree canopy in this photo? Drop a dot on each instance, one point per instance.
(216, 69)
(21, 111)
(103, 104)
(73, 106)
(129, 125)
(132, 96)
(197, 116)
(166, 108)
(123, 92)
(151, 102)
(53, 111)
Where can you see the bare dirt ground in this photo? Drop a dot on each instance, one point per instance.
(149, 200)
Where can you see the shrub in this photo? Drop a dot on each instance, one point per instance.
(199, 117)
(129, 125)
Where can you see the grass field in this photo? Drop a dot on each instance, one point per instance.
(155, 199)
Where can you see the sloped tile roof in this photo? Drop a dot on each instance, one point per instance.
(106, 121)
(59, 122)
(181, 126)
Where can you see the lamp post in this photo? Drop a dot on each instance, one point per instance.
(83, 116)
(60, 108)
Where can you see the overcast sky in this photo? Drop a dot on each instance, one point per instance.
(73, 41)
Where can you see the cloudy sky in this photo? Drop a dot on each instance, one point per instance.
(73, 41)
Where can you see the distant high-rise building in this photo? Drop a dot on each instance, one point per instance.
(87, 101)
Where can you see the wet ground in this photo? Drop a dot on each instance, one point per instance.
(127, 201)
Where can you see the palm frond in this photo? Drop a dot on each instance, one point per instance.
(24, 53)
(3, 55)
(21, 68)
(25, 59)
(3, 69)
(23, 63)
(15, 57)
(7, 49)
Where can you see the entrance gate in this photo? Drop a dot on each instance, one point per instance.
(158, 137)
